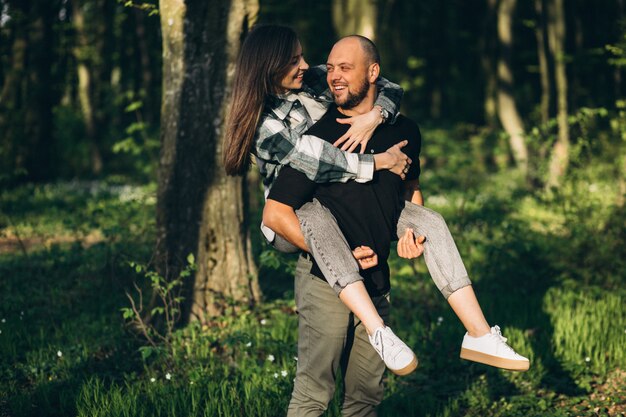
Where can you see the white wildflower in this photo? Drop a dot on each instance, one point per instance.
(275, 374)
(248, 344)
(152, 379)
(271, 358)
(439, 320)
(295, 358)
(168, 376)
(263, 322)
(4, 320)
(59, 353)
(587, 359)
(283, 373)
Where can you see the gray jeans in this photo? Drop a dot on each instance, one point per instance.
(333, 255)
(330, 338)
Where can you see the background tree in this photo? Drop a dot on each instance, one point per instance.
(507, 107)
(199, 209)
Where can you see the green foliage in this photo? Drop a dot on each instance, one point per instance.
(164, 309)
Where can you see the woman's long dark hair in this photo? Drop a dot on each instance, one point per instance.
(263, 62)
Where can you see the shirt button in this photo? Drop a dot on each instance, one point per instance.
(371, 150)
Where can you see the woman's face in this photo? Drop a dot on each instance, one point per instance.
(297, 66)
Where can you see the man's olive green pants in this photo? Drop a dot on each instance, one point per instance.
(330, 339)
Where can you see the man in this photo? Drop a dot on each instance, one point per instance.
(369, 214)
(330, 337)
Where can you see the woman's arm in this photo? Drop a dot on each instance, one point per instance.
(320, 161)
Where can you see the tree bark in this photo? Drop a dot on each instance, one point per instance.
(507, 109)
(355, 17)
(556, 33)
(199, 209)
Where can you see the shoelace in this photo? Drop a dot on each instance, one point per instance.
(502, 339)
(378, 340)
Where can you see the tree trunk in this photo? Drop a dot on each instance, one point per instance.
(487, 48)
(81, 53)
(542, 53)
(13, 96)
(199, 209)
(556, 33)
(355, 17)
(507, 109)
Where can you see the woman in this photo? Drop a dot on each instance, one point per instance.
(271, 110)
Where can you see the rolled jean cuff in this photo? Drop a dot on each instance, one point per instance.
(343, 282)
(454, 286)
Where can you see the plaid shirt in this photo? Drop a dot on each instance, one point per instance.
(280, 138)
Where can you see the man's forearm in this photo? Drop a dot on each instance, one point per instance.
(413, 192)
(282, 219)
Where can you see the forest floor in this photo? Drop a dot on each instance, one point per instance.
(549, 268)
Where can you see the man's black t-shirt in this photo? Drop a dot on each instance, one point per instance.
(367, 213)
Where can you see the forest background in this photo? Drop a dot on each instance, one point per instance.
(134, 282)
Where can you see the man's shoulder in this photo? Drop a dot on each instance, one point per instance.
(406, 123)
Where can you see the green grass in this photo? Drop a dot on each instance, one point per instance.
(539, 263)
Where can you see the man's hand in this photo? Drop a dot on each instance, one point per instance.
(365, 257)
(409, 246)
(362, 128)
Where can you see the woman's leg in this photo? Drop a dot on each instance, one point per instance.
(445, 265)
(481, 343)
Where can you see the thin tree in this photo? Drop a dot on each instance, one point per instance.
(543, 58)
(355, 17)
(556, 37)
(507, 109)
(199, 209)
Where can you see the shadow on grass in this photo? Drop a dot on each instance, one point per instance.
(63, 325)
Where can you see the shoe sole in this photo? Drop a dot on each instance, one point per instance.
(508, 364)
(407, 369)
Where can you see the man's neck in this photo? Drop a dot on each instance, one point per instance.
(363, 107)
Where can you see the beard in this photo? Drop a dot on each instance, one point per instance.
(354, 99)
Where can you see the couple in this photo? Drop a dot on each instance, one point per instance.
(343, 209)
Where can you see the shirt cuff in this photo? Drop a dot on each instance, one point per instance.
(365, 171)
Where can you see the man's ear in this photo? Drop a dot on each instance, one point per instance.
(373, 72)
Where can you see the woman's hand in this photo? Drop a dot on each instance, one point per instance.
(394, 160)
(409, 246)
(365, 257)
(362, 128)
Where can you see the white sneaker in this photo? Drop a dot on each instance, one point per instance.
(492, 349)
(398, 357)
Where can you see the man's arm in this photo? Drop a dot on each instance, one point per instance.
(282, 219)
(413, 192)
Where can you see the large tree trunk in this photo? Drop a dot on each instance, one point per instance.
(355, 17)
(507, 109)
(199, 209)
(556, 33)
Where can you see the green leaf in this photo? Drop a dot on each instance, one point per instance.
(191, 259)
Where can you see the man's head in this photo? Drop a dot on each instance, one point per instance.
(353, 68)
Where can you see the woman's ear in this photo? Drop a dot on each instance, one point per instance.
(373, 72)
